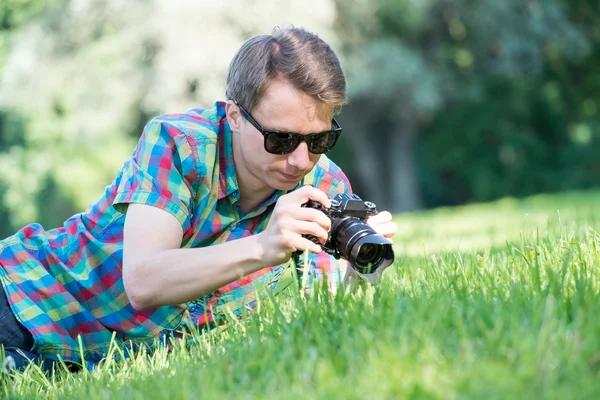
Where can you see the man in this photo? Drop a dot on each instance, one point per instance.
(205, 211)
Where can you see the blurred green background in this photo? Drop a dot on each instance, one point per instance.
(451, 102)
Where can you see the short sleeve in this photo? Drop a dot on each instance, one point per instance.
(161, 173)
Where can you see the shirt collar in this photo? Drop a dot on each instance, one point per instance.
(228, 183)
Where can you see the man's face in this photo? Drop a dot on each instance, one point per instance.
(282, 108)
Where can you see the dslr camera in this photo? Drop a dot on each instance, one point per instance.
(350, 237)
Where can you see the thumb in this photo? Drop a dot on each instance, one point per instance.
(380, 218)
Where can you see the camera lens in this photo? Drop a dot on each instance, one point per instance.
(362, 246)
(369, 253)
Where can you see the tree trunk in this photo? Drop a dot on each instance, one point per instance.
(369, 168)
(405, 192)
(367, 161)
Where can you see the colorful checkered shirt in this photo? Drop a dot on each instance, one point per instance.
(66, 284)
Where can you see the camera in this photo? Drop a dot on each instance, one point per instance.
(350, 237)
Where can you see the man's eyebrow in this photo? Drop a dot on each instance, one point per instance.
(329, 126)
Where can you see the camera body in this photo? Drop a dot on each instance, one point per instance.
(350, 237)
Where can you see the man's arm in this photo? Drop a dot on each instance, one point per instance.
(157, 272)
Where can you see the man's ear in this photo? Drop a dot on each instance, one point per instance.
(234, 116)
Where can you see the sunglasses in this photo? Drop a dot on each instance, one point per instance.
(279, 142)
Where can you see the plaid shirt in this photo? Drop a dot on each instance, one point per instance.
(66, 284)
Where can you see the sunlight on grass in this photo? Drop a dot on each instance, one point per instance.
(483, 226)
(502, 303)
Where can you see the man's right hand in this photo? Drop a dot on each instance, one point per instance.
(289, 221)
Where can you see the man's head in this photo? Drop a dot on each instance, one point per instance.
(289, 81)
(294, 55)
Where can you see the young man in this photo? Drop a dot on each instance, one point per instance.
(205, 211)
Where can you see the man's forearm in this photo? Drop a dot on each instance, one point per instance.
(170, 277)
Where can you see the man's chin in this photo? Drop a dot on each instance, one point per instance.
(285, 184)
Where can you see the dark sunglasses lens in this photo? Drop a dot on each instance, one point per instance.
(280, 142)
(322, 142)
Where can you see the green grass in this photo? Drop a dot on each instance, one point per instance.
(494, 300)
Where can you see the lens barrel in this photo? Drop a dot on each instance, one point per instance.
(364, 249)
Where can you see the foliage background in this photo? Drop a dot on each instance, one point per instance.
(451, 102)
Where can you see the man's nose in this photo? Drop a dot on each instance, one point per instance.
(300, 158)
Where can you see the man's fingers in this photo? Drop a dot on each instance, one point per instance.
(387, 230)
(311, 228)
(312, 215)
(315, 248)
(382, 224)
(306, 193)
(381, 218)
(302, 243)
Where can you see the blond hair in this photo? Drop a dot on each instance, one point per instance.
(294, 54)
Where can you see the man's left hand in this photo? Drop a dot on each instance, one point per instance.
(382, 224)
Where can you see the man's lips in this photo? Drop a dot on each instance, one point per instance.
(291, 177)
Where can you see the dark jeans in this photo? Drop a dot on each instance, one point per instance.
(17, 340)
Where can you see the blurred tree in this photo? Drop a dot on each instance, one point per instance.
(531, 133)
(84, 76)
(451, 101)
(16, 12)
(409, 62)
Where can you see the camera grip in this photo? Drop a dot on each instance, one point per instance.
(314, 204)
(313, 239)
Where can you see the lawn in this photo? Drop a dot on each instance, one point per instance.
(496, 300)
